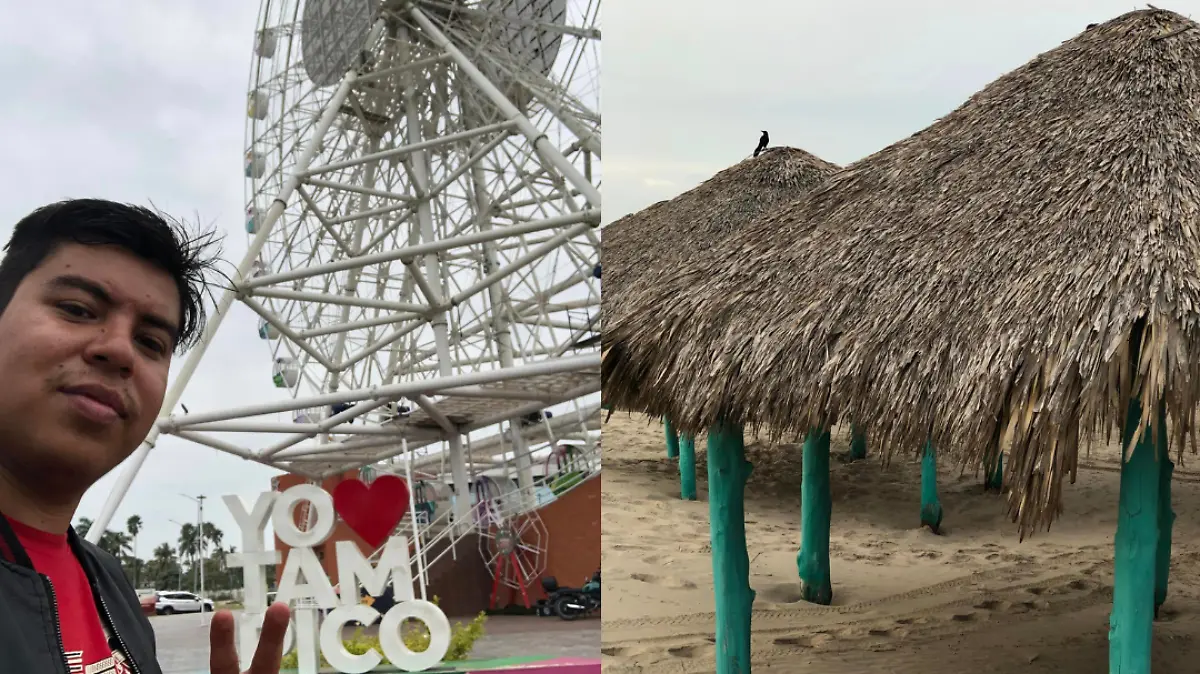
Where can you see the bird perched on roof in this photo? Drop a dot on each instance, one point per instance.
(762, 143)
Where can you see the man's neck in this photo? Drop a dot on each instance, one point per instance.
(19, 502)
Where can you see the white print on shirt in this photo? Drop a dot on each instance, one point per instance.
(75, 662)
(115, 663)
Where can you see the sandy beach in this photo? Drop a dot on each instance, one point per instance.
(974, 599)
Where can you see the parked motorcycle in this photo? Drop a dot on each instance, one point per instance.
(570, 603)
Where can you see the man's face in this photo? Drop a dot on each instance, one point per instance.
(85, 349)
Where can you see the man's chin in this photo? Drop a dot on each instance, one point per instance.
(78, 464)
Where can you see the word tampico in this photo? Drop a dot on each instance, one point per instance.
(304, 578)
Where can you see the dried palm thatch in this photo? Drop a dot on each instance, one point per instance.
(976, 284)
(643, 247)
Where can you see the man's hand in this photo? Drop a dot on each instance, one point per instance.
(222, 655)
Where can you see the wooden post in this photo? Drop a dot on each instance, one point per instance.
(1131, 626)
(727, 474)
(994, 481)
(858, 444)
(672, 439)
(816, 508)
(687, 467)
(931, 508)
(1166, 515)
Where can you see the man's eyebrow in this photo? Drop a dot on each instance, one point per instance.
(97, 291)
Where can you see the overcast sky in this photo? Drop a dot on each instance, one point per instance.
(689, 84)
(142, 101)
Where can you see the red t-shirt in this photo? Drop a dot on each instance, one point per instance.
(88, 645)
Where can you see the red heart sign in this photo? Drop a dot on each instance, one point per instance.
(372, 511)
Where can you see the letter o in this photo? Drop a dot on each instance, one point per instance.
(395, 649)
(284, 522)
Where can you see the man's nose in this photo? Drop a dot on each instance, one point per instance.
(113, 348)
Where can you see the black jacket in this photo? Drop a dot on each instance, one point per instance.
(30, 642)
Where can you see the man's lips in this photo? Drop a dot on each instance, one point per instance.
(101, 394)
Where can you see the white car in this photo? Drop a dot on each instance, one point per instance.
(180, 602)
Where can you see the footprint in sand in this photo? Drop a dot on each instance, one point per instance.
(1166, 615)
(804, 640)
(780, 594)
(621, 547)
(993, 605)
(663, 581)
(690, 651)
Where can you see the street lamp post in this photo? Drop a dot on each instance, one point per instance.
(200, 542)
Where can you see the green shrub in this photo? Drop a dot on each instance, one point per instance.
(416, 638)
(566, 481)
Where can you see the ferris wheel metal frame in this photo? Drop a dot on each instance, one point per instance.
(451, 399)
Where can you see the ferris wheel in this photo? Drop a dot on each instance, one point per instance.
(423, 205)
(513, 546)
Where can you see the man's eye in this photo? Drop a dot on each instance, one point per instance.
(154, 345)
(77, 310)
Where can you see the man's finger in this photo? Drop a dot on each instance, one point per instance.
(270, 643)
(222, 653)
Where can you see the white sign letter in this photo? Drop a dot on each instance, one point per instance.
(254, 573)
(353, 568)
(285, 523)
(393, 645)
(331, 640)
(316, 583)
(253, 524)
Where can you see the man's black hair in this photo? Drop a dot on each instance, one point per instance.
(141, 232)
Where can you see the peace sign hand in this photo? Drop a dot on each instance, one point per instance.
(223, 657)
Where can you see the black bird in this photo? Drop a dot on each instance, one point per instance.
(762, 143)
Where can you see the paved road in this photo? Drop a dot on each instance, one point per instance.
(183, 641)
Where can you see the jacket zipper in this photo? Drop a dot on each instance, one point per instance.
(62, 649)
(124, 648)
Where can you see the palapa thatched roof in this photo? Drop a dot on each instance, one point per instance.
(640, 248)
(976, 283)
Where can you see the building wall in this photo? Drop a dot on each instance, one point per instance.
(573, 525)
(463, 585)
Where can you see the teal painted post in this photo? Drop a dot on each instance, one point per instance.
(1131, 626)
(858, 444)
(931, 508)
(687, 467)
(995, 475)
(672, 439)
(727, 474)
(1166, 515)
(816, 508)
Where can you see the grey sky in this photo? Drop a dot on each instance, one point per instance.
(688, 84)
(144, 101)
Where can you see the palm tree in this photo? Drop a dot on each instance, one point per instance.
(189, 542)
(162, 567)
(189, 547)
(83, 526)
(116, 543)
(213, 535)
(134, 526)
